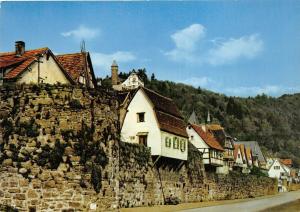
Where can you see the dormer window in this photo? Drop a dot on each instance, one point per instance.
(141, 117)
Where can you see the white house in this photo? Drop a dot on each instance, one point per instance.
(42, 66)
(226, 142)
(33, 66)
(132, 82)
(206, 143)
(240, 158)
(153, 120)
(281, 172)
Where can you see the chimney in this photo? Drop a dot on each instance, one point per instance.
(203, 128)
(20, 48)
(114, 73)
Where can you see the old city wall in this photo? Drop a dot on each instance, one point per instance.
(60, 151)
(145, 182)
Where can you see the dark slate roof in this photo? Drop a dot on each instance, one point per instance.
(193, 118)
(256, 151)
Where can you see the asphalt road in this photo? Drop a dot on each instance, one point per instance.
(252, 205)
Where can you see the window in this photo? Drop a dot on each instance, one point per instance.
(168, 142)
(182, 145)
(140, 117)
(175, 143)
(143, 140)
(192, 137)
(276, 167)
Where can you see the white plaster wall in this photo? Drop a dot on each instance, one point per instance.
(275, 173)
(49, 72)
(239, 158)
(171, 151)
(198, 142)
(130, 83)
(131, 127)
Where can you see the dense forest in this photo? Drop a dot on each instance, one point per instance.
(273, 122)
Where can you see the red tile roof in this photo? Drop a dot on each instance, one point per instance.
(236, 150)
(162, 103)
(74, 64)
(171, 124)
(248, 153)
(287, 162)
(20, 63)
(208, 137)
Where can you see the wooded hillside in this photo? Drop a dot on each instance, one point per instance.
(273, 122)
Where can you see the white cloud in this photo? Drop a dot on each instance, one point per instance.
(186, 41)
(198, 81)
(189, 47)
(272, 90)
(82, 33)
(187, 38)
(235, 48)
(103, 61)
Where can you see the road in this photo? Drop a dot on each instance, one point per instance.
(252, 205)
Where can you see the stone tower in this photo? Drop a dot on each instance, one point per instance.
(114, 73)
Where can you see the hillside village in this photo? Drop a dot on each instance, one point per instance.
(146, 118)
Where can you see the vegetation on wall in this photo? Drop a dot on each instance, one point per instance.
(140, 153)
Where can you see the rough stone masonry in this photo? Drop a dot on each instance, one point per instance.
(60, 151)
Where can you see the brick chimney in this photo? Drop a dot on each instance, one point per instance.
(20, 48)
(114, 73)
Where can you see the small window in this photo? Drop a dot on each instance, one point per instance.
(143, 140)
(140, 117)
(182, 145)
(175, 143)
(277, 167)
(192, 137)
(168, 142)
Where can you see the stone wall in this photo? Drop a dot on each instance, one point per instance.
(58, 149)
(162, 181)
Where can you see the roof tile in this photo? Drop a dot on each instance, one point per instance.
(208, 137)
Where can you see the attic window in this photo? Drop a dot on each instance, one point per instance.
(276, 167)
(141, 117)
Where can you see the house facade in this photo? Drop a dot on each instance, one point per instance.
(80, 68)
(226, 142)
(206, 143)
(281, 172)
(153, 120)
(132, 82)
(240, 158)
(39, 66)
(258, 159)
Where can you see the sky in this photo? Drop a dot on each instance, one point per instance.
(239, 48)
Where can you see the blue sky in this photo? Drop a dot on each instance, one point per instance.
(238, 48)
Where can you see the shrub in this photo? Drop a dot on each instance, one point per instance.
(96, 177)
(75, 104)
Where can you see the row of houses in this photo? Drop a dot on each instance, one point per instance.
(146, 117)
(150, 119)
